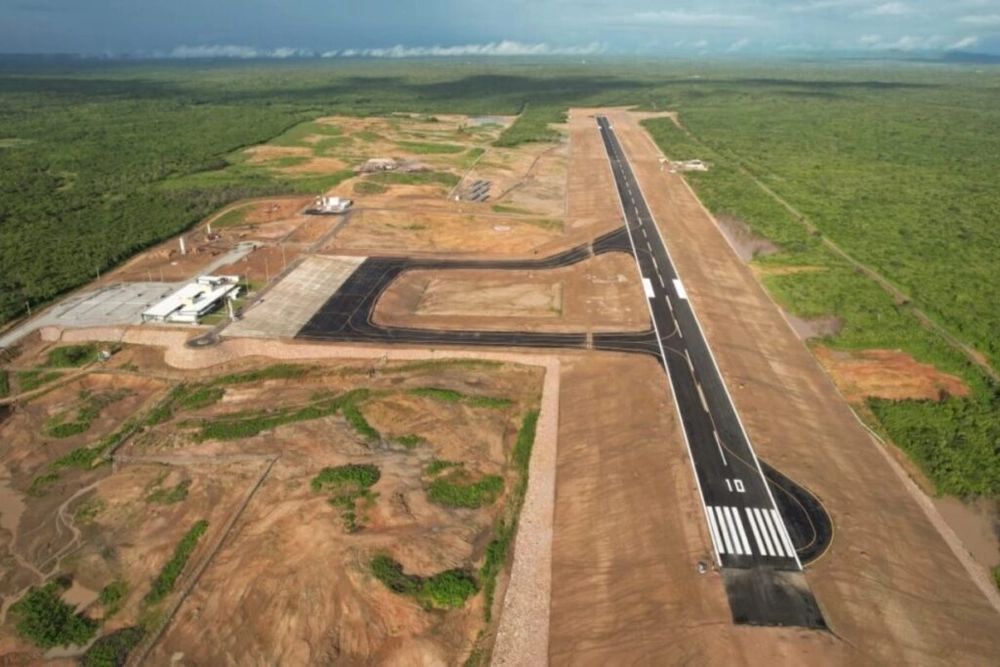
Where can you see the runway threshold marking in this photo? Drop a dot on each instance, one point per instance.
(679, 287)
(648, 286)
(729, 533)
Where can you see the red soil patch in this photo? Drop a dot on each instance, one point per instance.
(889, 374)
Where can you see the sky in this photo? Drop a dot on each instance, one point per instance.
(399, 28)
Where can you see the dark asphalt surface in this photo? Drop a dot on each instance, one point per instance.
(744, 521)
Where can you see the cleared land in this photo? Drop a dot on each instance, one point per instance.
(599, 294)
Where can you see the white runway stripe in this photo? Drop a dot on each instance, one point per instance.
(732, 530)
(725, 532)
(756, 533)
(774, 534)
(743, 534)
(784, 532)
(714, 529)
(763, 531)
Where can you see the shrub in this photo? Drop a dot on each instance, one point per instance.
(71, 356)
(112, 650)
(164, 582)
(42, 617)
(451, 492)
(446, 590)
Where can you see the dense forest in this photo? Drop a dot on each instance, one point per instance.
(895, 163)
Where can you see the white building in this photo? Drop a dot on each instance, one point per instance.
(193, 301)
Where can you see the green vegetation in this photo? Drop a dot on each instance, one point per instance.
(32, 380)
(352, 413)
(445, 590)
(499, 547)
(201, 397)
(457, 489)
(236, 428)
(409, 441)
(533, 125)
(112, 650)
(43, 618)
(414, 178)
(349, 484)
(87, 409)
(476, 152)
(421, 148)
(111, 597)
(231, 218)
(170, 496)
(366, 187)
(71, 356)
(41, 484)
(501, 208)
(4, 384)
(164, 582)
(451, 396)
(275, 372)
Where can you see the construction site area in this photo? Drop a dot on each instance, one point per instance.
(416, 418)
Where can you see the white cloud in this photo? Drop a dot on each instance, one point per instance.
(889, 9)
(981, 19)
(701, 43)
(820, 5)
(683, 17)
(504, 48)
(964, 43)
(738, 45)
(233, 51)
(869, 40)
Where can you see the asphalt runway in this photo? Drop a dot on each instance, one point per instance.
(747, 528)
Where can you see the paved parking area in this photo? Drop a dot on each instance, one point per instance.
(291, 303)
(121, 303)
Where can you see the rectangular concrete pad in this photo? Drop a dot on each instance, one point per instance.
(291, 303)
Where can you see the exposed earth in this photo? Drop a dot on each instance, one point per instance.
(283, 573)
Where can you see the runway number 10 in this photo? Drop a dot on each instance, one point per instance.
(736, 484)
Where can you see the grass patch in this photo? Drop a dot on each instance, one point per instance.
(4, 384)
(43, 618)
(440, 364)
(552, 225)
(368, 136)
(455, 490)
(172, 496)
(71, 356)
(415, 178)
(476, 152)
(499, 547)
(34, 379)
(232, 218)
(112, 650)
(248, 426)
(111, 597)
(446, 590)
(366, 187)
(275, 372)
(39, 485)
(451, 396)
(427, 148)
(164, 582)
(354, 417)
(88, 510)
(201, 397)
(349, 484)
(500, 208)
(409, 441)
(88, 409)
(437, 465)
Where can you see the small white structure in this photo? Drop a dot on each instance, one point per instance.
(333, 204)
(193, 301)
(691, 165)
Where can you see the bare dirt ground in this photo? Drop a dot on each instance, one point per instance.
(889, 374)
(599, 294)
(891, 586)
(528, 180)
(274, 571)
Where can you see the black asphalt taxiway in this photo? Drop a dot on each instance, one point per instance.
(762, 525)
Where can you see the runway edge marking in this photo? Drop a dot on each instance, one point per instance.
(715, 363)
(663, 355)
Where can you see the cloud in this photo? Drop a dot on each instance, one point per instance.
(981, 19)
(503, 48)
(889, 9)
(869, 40)
(701, 43)
(683, 17)
(820, 5)
(233, 51)
(738, 45)
(964, 43)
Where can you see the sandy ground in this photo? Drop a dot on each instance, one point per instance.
(889, 374)
(600, 294)
(629, 533)
(891, 586)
